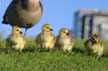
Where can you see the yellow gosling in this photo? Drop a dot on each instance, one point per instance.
(16, 40)
(64, 40)
(45, 39)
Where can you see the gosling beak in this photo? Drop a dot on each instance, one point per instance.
(20, 32)
(51, 29)
(67, 34)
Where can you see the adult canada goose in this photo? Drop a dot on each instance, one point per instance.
(23, 13)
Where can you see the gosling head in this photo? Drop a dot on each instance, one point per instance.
(95, 38)
(16, 30)
(64, 32)
(46, 28)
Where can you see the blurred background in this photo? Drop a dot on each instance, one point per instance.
(82, 17)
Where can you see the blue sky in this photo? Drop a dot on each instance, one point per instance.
(58, 13)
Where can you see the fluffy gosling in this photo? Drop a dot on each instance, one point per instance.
(45, 39)
(15, 40)
(94, 46)
(64, 40)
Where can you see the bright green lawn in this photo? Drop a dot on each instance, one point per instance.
(33, 60)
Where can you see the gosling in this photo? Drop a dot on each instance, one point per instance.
(94, 46)
(64, 40)
(45, 40)
(15, 40)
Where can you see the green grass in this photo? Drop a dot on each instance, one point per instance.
(33, 60)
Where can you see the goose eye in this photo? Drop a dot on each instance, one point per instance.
(47, 27)
(17, 30)
(64, 32)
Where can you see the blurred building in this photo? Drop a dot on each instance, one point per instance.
(88, 22)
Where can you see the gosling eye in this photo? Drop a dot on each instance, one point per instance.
(17, 30)
(64, 32)
(47, 27)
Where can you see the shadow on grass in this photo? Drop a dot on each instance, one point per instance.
(78, 50)
(75, 50)
(26, 50)
(5, 50)
(105, 56)
(2, 50)
(37, 50)
(29, 50)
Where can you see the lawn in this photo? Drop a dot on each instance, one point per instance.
(34, 60)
